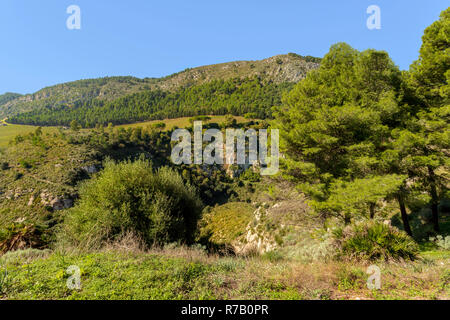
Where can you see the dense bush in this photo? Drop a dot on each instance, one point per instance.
(373, 240)
(130, 197)
(225, 224)
(4, 166)
(251, 175)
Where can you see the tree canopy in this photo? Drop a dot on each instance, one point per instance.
(357, 131)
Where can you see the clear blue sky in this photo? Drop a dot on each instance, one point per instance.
(146, 38)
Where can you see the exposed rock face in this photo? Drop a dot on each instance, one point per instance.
(20, 220)
(16, 194)
(9, 194)
(56, 203)
(264, 232)
(68, 203)
(281, 68)
(47, 199)
(257, 238)
(235, 170)
(30, 202)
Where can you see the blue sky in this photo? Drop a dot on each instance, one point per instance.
(146, 38)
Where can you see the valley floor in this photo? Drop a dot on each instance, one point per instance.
(181, 273)
(9, 131)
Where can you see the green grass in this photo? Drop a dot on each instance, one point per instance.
(181, 273)
(179, 122)
(114, 275)
(8, 132)
(436, 254)
(107, 276)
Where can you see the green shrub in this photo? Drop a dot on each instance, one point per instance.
(350, 278)
(4, 166)
(18, 175)
(226, 223)
(25, 164)
(250, 175)
(441, 242)
(131, 197)
(273, 256)
(372, 240)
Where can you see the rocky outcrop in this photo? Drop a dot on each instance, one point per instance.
(270, 224)
(56, 203)
(257, 238)
(277, 69)
(31, 201)
(16, 193)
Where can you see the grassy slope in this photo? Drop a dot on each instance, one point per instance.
(7, 133)
(179, 122)
(51, 168)
(191, 274)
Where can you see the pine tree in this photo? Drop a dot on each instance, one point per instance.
(74, 125)
(335, 125)
(425, 143)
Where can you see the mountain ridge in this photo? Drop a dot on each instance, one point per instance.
(8, 96)
(278, 69)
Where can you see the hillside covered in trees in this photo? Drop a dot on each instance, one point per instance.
(219, 97)
(280, 69)
(7, 97)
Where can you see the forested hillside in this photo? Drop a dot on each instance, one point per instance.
(218, 97)
(8, 96)
(71, 92)
(278, 69)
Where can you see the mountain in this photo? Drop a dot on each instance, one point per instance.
(235, 96)
(70, 92)
(8, 96)
(277, 69)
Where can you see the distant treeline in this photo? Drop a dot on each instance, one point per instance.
(219, 97)
(8, 96)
